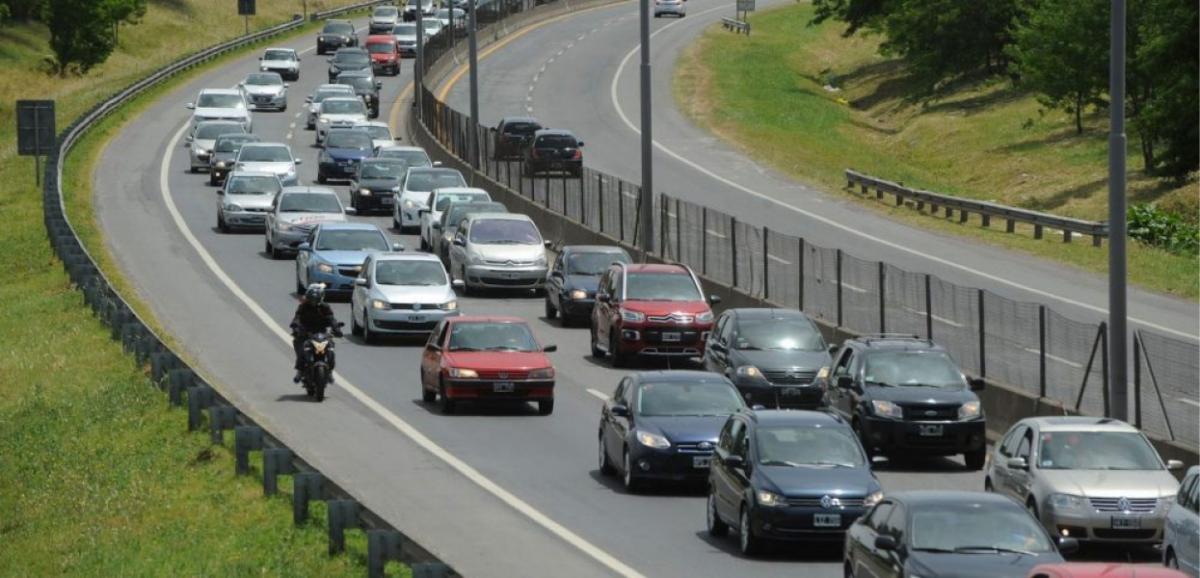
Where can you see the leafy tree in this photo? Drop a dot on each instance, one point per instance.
(857, 14)
(80, 34)
(945, 39)
(123, 12)
(23, 9)
(1164, 88)
(5, 13)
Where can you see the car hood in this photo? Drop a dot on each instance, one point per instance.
(346, 258)
(415, 294)
(685, 428)
(776, 360)
(498, 360)
(204, 144)
(379, 184)
(1110, 483)
(221, 113)
(278, 168)
(406, 38)
(659, 308)
(309, 218)
(250, 201)
(979, 565)
(508, 252)
(922, 395)
(820, 481)
(260, 90)
(345, 154)
(383, 56)
(587, 283)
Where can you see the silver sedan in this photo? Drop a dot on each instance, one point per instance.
(401, 293)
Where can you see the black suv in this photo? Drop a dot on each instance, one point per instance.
(788, 475)
(365, 87)
(906, 395)
(347, 59)
(510, 136)
(553, 150)
(336, 34)
(771, 355)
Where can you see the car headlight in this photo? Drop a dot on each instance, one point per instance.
(540, 261)
(379, 304)
(578, 294)
(449, 306)
(365, 192)
(1066, 502)
(542, 373)
(705, 317)
(474, 259)
(408, 204)
(262, 69)
(748, 371)
(323, 120)
(969, 410)
(770, 499)
(201, 151)
(284, 227)
(463, 373)
(635, 316)
(325, 267)
(872, 499)
(823, 373)
(233, 208)
(887, 409)
(652, 440)
(220, 164)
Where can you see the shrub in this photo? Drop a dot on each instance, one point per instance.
(1155, 226)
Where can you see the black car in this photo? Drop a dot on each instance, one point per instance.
(574, 277)
(224, 153)
(444, 230)
(773, 356)
(663, 425)
(905, 395)
(511, 134)
(348, 59)
(788, 476)
(374, 184)
(553, 150)
(365, 86)
(336, 34)
(948, 534)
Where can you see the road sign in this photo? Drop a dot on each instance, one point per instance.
(246, 8)
(745, 5)
(35, 127)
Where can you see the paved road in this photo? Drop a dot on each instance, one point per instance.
(496, 493)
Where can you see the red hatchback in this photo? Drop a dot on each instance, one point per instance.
(650, 311)
(486, 359)
(1103, 570)
(385, 55)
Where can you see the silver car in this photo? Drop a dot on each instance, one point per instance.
(285, 61)
(340, 112)
(414, 193)
(439, 199)
(1093, 479)
(220, 104)
(201, 142)
(502, 250)
(406, 38)
(314, 100)
(265, 91)
(401, 293)
(268, 157)
(294, 214)
(677, 8)
(381, 134)
(1181, 538)
(414, 157)
(245, 199)
(383, 18)
(448, 225)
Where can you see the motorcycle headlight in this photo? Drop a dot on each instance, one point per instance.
(220, 164)
(379, 304)
(542, 373)
(770, 499)
(1066, 501)
(749, 371)
(705, 317)
(450, 306)
(652, 440)
(969, 410)
(635, 316)
(365, 192)
(887, 409)
(325, 267)
(463, 373)
(578, 294)
(872, 499)
(232, 208)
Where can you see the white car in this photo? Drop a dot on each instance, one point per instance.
(381, 134)
(285, 61)
(383, 18)
(459, 20)
(274, 158)
(401, 293)
(319, 95)
(406, 38)
(433, 26)
(413, 156)
(220, 104)
(295, 212)
(414, 193)
(501, 250)
(340, 112)
(265, 91)
(677, 8)
(204, 137)
(245, 200)
(1181, 537)
(439, 200)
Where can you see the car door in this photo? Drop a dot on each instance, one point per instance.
(864, 555)
(458, 251)
(358, 297)
(555, 279)
(716, 351)
(842, 399)
(1007, 447)
(608, 429)
(726, 488)
(1018, 482)
(890, 563)
(600, 312)
(431, 358)
(304, 257)
(272, 217)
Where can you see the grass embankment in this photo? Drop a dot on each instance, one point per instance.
(96, 477)
(767, 94)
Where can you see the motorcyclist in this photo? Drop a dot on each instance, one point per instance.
(313, 315)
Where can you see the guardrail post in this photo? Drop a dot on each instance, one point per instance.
(343, 514)
(382, 546)
(963, 215)
(246, 438)
(882, 297)
(663, 212)
(160, 365)
(949, 211)
(199, 397)
(1066, 236)
(1095, 240)
(928, 307)
(1037, 231)
(178, 380)
(839, 287)
(982, 339)
(276, 461)
(678, 232)
(1010, 226)
(986, 218)
(306, 486)
(733, 249)
(221, 418)
(621, 209)
(1041, 351)
(800, 264)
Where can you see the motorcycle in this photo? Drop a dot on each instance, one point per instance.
(318, 363)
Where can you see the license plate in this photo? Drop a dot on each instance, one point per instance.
(827, 520)
(416, 318)
(791, 391)
(671, 336)
(701, 461)
(931, 430)
(385, 200)
(502, 387)
(556, 165)
(1126, 523)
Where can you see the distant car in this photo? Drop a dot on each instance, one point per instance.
(406, 38)
(220, 104)
(381, 134)
(441, 198)
(383, 18)
(457, 19)
(339, 112)
(224, 155)
(676, 8)
(432, 26)
(414, 193)
(245, 199)
(365, 87)
(385, 54)
(663, 425)
(275, 158)
(1102, 570)
(448, 225)
(574, 277)
(948, 534)
(347, 59)
(265, 91)
(772, 355)
(284, 61)
(344, 149)
(906, 396)
(415, 157)
(650, 310)
(788, 476)
(314, 100)
(414, 7)
(498, 250)
(511, 134)
(553, 150)
(1181, 531)
(1093, 479)
(333, 254)
(202, 141)
(486, 359)
(375, 183)
(335, 35)
(295, 212)
(401, 294)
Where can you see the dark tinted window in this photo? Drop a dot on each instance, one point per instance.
(521, 128)
(405, 30)
(594, 264)
(360, 83)
(278, 55)
(682, 399)
(264, 79)
(265, 154)
(309, 203)
(348, 139)
(345, 58)
(381, 47)
(231, 143)
(555, 141)
(879, 515)
(410, 273)
(341, 28)
(343, 240)
(489, 336)
(381, 170)
(807, 446)
(789, 334)
(913, 368)
(220, 101)
(661, 287)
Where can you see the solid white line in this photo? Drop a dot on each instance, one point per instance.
(949, 322)
(778, 260)
(621, 112)
(1061, 360)
(1189, 401)
(599, 394)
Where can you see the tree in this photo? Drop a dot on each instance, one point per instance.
(80, 34)
(24, 9)
(1061, 51)
(857, 14)
(1164, 87)
(123, 12)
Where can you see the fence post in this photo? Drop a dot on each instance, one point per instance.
(1104, 368)
(1041, 351)
(663, 211)
(982, 338)
(766, 263)
(276, 461)
(928, 307)
(306, 486)
(704, 240)
(678, 231)
(839, 287)
(733, 249)
(800, 263)
(1137, 379)
(621, 209)
(246, 438)
(882, 297)
(382, 546)
(343, 514)
(600, 198)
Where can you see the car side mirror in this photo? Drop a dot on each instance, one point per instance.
(422, 212)
(436, 226)
(304, 247)
(298, 161)
(1067, 545)
(1174, 465)
(845, 381)
(550, 348)
(458, 284)
(398, 138)
(1017, 464)
(714, 299)
(397, 246)
(976, 383)
(885, 543)
(547, 243)
(459, 242)
(360, 282)
(351, 211)
(190, 106)
(735, 461)
(308, 99)
(286, 85)
(580, 143)
(619, 410)
(716, 345)
(602, 297)
(832, 349)
(378, 85)
(220, 192)
(433, 347)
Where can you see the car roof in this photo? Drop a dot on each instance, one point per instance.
(767, 313)
(357, 129)
(384, 161)
(406, 256)
(308, 189)
(236, 123)
(657, 268)
(679, 376)
(233, 174)
(331, 86)
(402, 148)
(500, 216)
(434, 170)
(554, 132)
(292, 50)
(261, 144)
(771, 417)
(360, 73)
(896, 341)
(373, 123)
(942, 497)
(509, 119)
(458, 190)
(613, 249)
(220, 91)
(1079, 423)
(479, 206)
(341, 98)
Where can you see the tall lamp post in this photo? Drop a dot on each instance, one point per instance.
(646, 201)
(1117, 330)
(473, 141)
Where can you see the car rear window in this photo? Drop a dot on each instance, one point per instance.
(382, 170)
(556, 141)
(505, 232)
(265, 154)
(351, 58)
(231, 143)
(220, 101)
(309, 203)
(522, 128)
(414, 158)
(212, 131)
(593, 263)
(342, 28)
(425, 181)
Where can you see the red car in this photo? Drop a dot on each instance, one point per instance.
(650, 311)
(472, 358)
(385, 55)
(1103, 570)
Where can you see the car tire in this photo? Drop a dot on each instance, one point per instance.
(192, 169)
(425, 246)
(618, 359)
(748, 543)
(597, 353)
(1169, 559)
(221, 225)
(975, 460)
(857, 427)
(987, 485)
(321, 178)
(546, 407)
(630, 481)
(716, 526)
(445, 404)
(355, 328)
(283, 108)
(212, 178)
(551, 312)
(606, 467)
(1031, 505)
(395, 222)
(369, 337)
(428, 395)
(300, 287)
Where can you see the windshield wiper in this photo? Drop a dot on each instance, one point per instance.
(935, 550)
(993, 549)
(831, 464)
(503, 348)
(780, 463)
(465, 349)
(749, 348)
(879, 383)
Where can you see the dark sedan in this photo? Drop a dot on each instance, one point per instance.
(773, 356)
(574, 277)
(553, 150)
(336, 34)
(663, 425)
(348, 59)
(224, 153)
(365, 87)
(375, 183)
(511, 134)
(344, 149)
(944, 534)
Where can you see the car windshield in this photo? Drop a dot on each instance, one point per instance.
(388, 170)
(913, 369)
(1083, 450)
(358, 82)
(264, 79)
(385, 11)
(212, 131)
(381, 47)
(425, 181)
(411, 273)
(325, 93)
(350, 240)
(348, 139)
(556, 141)
(341, 28)
(778, 334)
(343, 107)
(522, 128)
(252, 185)
(412, 157)
(351, 58)
(260, 154)
(593, 264)
(491, 336)
(661, 287)
(231, 143)
(457, 213)
(309, 203)
(432, 22)
(975, 528)
(211, 100)
(444, 14)
(278, 55)
(445, 199)
(404, 30)
(801, 446)
(686, 399)
(505, 232)
(378, 132)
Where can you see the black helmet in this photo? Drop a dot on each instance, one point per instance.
(315, 293)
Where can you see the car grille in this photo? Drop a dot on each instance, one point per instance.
(508, 263)
(405, 325)
(262, 98)
(350, 271)
(656, 336)
(694, 448)
(942, 412)
(341, 123)
(789, 376)
(506, 281)
(256, 209)
(1139, 505)
(1111, 534)
(307, 228)
(413, 306)
(672, 318)
(816, 502)
(502, 375)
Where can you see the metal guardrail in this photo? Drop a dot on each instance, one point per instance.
(736, 25)
(171, 373)
(965, 207)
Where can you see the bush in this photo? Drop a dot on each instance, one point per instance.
(1155, 226)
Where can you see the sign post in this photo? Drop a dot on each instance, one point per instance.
(35, 131)
(247, 8)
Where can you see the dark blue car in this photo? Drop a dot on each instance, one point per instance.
(663, 425)
(574, 277)
(344, 149)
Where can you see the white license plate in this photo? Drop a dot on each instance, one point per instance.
(701, 461)
(827, 520)
(671, 336)
(1126, 523)
(931, 430)
(502, 387)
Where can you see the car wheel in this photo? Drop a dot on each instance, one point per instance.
(618, 358)
(857, 427)
(300, 287)
(212, 178)
(369, 336)
(716, 526)
(747, 541)
(321, 177)
(596, 352)
(355, 328)
(628, 479)
(975, 459)
(446, 404)
(551, 312)
(987, 485)
(546, 407)
(395, 222)
(221, 225)
(425, 246)
(1169, 560)
(606, 467)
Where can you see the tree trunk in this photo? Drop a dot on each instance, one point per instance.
(1079, 112)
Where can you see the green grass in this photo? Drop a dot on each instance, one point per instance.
(984, 140)
(97, 477)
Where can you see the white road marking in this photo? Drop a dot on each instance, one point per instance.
(1184, 400)
(715, 234)
(853, 287)
(289, 135)
(778, 260)
(943, 320)
(599, 394)
(1061, 360)
(850, 230)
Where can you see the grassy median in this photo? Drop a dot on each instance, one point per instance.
(811, 103)
(97, 477)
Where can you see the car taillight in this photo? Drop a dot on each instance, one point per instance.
(578, 156)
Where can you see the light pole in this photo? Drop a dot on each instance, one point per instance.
(473, 142)
(646, 201)
(419, 63)
(1117, 331)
